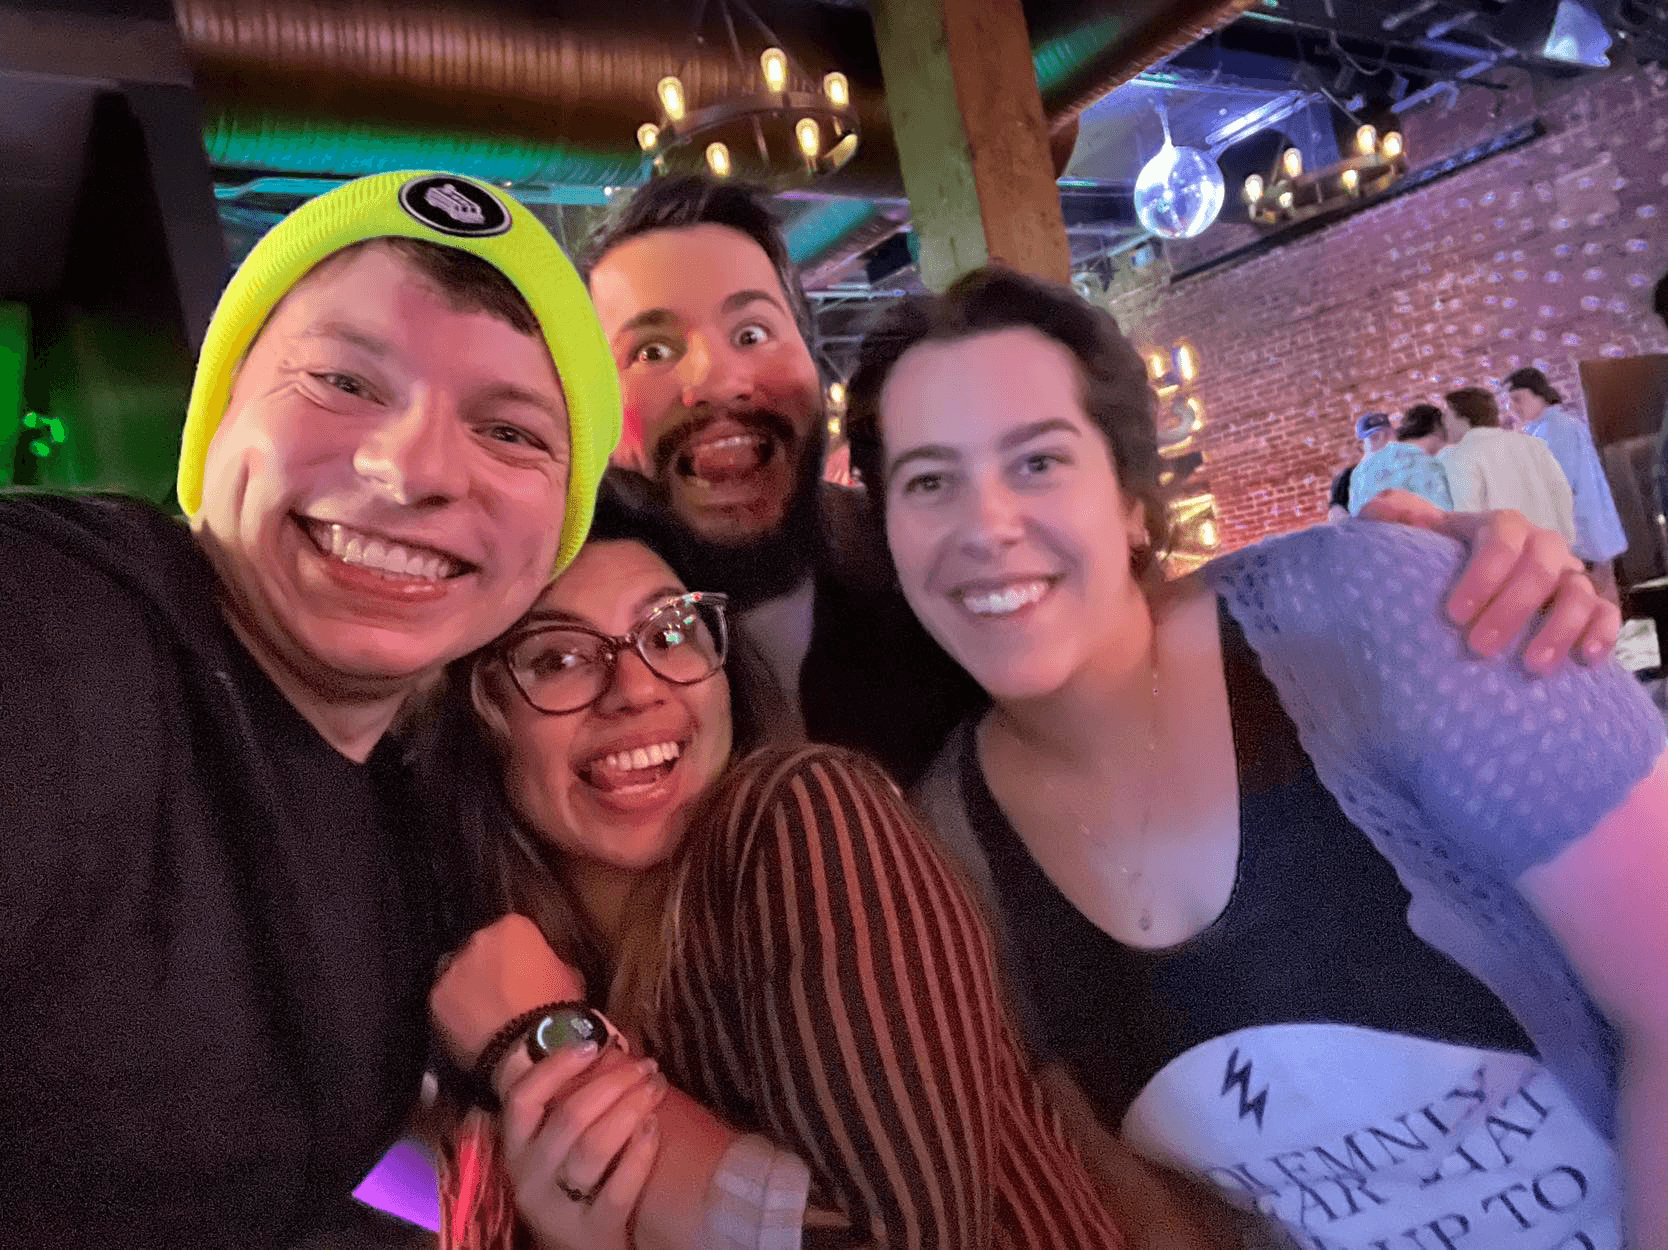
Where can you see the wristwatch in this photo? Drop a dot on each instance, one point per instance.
(570, 1024)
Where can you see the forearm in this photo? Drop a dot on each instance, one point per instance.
(1642, 1113)
(692, 1144)
(1157, 1209)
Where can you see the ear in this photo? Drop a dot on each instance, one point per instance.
(1135, 525)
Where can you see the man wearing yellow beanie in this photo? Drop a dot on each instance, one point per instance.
(221, 909)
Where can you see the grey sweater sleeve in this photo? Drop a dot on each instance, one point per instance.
(1506, 769)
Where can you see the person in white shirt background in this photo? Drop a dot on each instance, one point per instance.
(1490, 467)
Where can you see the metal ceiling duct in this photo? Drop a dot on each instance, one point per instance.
(513, 94)
(503, 92)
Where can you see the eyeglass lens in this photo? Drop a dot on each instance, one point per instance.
(562, 670)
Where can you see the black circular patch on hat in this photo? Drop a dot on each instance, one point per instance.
(456, 206)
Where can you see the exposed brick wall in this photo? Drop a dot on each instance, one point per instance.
(1544, 255)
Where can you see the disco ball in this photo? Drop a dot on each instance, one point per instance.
(1179, 192)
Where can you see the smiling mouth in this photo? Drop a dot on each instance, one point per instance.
(636, 769)
(392, 560)
(725, 460)
(996, 601)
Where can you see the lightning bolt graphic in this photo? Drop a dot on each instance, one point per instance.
(1241, 1077)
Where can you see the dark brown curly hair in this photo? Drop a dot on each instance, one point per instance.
(1115, 394)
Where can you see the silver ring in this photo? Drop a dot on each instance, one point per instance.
(584, 1197)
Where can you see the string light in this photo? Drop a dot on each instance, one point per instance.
(837, 89)
(809, 135)
(670, 91)
(718, 160)
(774, 63)
(648, 134)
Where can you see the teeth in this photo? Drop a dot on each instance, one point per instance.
(640, 758)
(1005, 602)
(386, 557)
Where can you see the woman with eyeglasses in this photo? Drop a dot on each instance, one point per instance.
(836, 1064)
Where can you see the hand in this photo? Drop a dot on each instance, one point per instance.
(1515, 570)
(578, 1125)
(501, 971)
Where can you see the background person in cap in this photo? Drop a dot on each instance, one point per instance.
(1599, 537)
(221, 913)
(1373, 431)
(1408, 463)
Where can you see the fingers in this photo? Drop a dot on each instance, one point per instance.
(591, 1158)
(1566, 621)
(1598, 640)
(528, 1099)
(1403, 507)
(572, 1110)
(1496, 542)
(617, 1199)
(1522, 592)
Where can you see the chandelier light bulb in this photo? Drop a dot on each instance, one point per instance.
(718, 160)
(774, 63)
(1391, 146)
(1366, 140)
(1285, 199)
(1351, 180)
(670, 91)
(1253, 188)
(1291, 160)
(648, 134)
(809, 136)
(837, 89)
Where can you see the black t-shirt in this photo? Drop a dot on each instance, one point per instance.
(1340, 489)
(1306, 1052)
(219, 931)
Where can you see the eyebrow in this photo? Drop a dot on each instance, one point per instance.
(1036, 429)
(556, 616)
(1012, 439)
(740, 300)
(349, 334)
(554, 408)
(649, 319)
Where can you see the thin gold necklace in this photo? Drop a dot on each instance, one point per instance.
(1137, 884)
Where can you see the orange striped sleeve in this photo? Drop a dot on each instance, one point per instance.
(863, 1025)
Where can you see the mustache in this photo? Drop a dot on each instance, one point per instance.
(765, 421)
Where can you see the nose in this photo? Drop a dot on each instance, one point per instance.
(414, 454)
(713, 372)
(992, 520)
(635, 686)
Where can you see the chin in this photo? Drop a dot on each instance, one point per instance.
(738, 528)
(1016, 679)
(370, 654)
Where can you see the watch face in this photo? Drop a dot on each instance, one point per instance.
(566, 1026)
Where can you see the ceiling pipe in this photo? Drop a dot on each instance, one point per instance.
(354, 86)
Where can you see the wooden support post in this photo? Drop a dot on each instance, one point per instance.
(971, 137)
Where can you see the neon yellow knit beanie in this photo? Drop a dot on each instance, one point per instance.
(453, 211)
